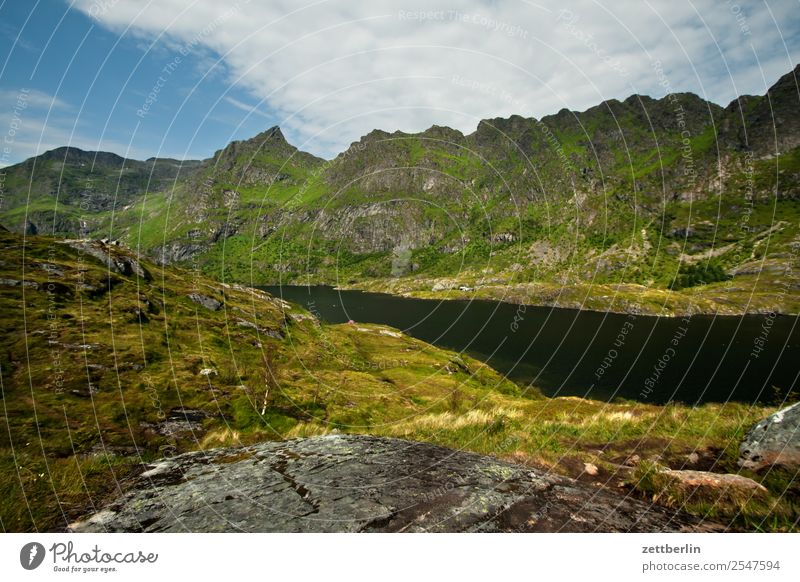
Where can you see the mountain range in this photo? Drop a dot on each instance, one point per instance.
(653, 205)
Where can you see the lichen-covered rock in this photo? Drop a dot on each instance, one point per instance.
(366, 484)
(773, 441)
(205, 301)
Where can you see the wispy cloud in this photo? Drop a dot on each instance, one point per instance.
(33, 99)
(251, 109)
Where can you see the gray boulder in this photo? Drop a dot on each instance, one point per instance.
(205, 301)
(775, 441)
(341, 483)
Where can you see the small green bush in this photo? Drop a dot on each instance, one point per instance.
(701, 274)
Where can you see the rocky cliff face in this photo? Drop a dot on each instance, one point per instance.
(378, 227)
(367, 484)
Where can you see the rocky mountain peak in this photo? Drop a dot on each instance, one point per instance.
(268, 140)
(789, 81)
(505, 124)
(73, 155)
(273, 134)
(443, 132)
(769, 124)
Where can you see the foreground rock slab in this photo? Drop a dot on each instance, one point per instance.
(774, 441)
(367, 484)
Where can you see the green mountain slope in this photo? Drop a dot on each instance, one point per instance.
(627, 200)
(57, 191)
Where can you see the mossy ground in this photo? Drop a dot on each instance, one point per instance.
(93, 362)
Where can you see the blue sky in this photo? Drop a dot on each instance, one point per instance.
(88, 83)
(328, 71)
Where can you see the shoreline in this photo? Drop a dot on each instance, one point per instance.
(621, 299)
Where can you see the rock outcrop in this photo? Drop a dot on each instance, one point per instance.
(367, 484)
(773, 441)
(110, 255)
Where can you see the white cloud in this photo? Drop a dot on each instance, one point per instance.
(333, 70)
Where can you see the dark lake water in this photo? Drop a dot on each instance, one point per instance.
(568, 352)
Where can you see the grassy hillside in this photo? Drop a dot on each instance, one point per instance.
(107, 360)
